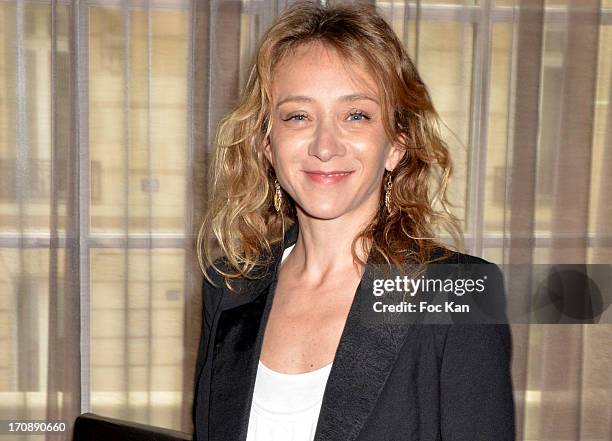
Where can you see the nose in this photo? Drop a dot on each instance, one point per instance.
(326, 143)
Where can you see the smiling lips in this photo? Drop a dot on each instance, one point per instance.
(331, 177)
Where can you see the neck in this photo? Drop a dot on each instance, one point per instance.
(323, 246)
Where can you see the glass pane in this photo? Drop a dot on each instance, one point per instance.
(138, 105)
(137, 334)
(599, 223)
(495, 188)
(24, 323)
(550, 99)
(25, 123)
(445, 65)
(551, 83)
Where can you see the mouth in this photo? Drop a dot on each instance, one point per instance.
(328, 177)
(330, 173)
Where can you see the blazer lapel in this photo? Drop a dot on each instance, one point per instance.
(365, 356)
(234, 366)
(237, 345)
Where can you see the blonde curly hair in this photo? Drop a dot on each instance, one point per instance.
(241, 218)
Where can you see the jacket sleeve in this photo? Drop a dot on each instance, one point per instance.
(476, 399)
(211, 299)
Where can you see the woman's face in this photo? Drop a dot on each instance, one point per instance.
(328, 146)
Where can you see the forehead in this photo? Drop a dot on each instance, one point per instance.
(318, 69)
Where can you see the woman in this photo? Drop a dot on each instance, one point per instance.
(323, 169)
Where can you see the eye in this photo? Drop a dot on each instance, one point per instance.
(358, 115)
(297, 117)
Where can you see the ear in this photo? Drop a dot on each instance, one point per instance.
(267, 149)
(395, 155)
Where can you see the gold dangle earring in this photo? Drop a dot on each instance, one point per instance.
(388, 193)
(278, 196)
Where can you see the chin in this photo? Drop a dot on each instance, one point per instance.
(323, 209)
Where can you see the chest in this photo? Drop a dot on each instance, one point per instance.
(305, 324)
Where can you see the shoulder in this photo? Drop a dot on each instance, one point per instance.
(444, 261)
(212, 290)
(217, 295)
(449, 256)
(494, 339)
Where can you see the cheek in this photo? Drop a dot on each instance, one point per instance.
(274, 150)
(286, 148)
(373, 153)
(283, 156)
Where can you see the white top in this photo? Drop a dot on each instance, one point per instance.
(286, 407)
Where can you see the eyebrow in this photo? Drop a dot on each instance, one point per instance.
(306, 99)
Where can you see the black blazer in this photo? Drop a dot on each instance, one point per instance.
(414, 382)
